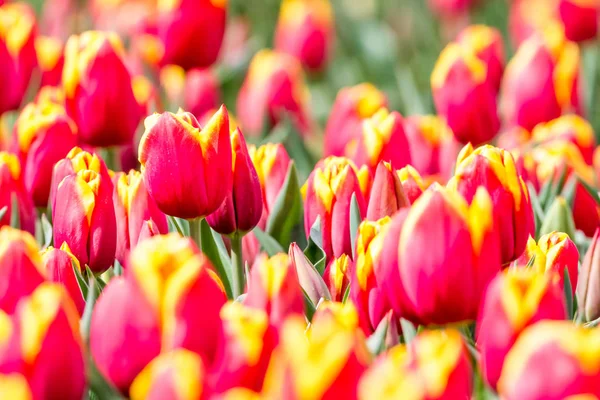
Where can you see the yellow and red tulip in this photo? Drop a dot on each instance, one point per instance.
(588, 284)
(570, 128)
(14, 386)
(412, 183)
(13, 188)
(487, 44)
(337, 276)
(580, 18)
(59, 264)
(51, 59)
(200, 180)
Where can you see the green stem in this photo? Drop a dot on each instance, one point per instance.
(237, 263)
(196, 231)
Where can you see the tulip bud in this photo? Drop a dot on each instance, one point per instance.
(135, 211)
(387, 193)
(44, 134)
(242, 208)
(539, 350)
(84, 218)
(570, 128)
(50, 57)
(13, 193)
(202, 92)
(495, 170)
(106, 115)
(412, 183)
(17, 53)
(274, 89)
(59, 265)
(311, 282)
(352, 105)
(463, 95)
(337, 276)
(486, 43)
(588, 283)
(329, 191)
(432, 145)
(515, 299)
(305, 29)
(459, 267)
(198, 183)
(20, 267)
(580, 19)
(179, 375)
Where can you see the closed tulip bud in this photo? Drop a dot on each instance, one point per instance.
(541, 80)
(486, 43)
(198, 183)
(202, 92)
(570, 128)
(309, 278)
(329, 191)
(273, 286)
(44, 134)
(387, 193)
(539, 350)
(345, 124)
(51, 59)
(12, 188)
(458, 268)
(412, 183)
(84, 218)
(588, 283)
(366, 289)
(17, 53)
(305, 29)
(382, 139)
(464, 96)
(106, 115)
(135, 212)
(274, 89)
(51, 345)
(515, 299)
(20, 267)
(59, 265)
(495, 170)
(337, 276)
(176, 375)
(580, 18)
(242, 208)
(432, 145)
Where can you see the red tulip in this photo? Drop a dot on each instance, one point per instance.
(202, 92)
(412, 183)
(11, 189)
(59, 264)
(51, 59)
(580, 18)
(337, 276)
(486, 43)
(571, 128)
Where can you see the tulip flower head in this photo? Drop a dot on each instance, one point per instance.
(487, 44)
(13, 193)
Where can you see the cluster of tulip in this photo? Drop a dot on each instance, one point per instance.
(174, 260)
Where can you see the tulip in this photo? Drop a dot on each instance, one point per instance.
(352, 106)
(450, 7)
(541, 80)
(463, 95)
(412, 183)
(44, 134)
(50, 56)
(135, 212)
(486, 43)
(14, 386)
(337, 276)
(515, 299)
(14, 194)
(274, 89)
(305, 29)
(382, 139)
(106, 115)
(444, 283)
(432, 145)
(59, 265)
(537, 353)
(309, 278)
(51, 344)
(17, 53)
(178, 375)
(20, 267)
(192, 187)
(202, 92)
(571, 128)
(387, 193)
(580, 19)
(329, 191)
(495, 170)
(588, 284)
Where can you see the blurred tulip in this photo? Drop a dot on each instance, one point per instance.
(202, 92)
(352, 105)
(106, 115)
(17, 53)
(14, 386)
(444, 283)
(571, 128)
(44, 134)
(432, 145)
(412, 183)
(588, 283)
(177, 375)
(486, 43)
(463, 95)
(51, 59)
(305, 29)
(134, 209)
(531, 367)
(84, 218)
(329, 191)
(513, 139)
(529, 17)
(580, 18)
(13, 193)
(274, 89)
(450, 7)
(200, 180)
(516, 298)
(495, 170)
(337, 276)
(20, 267)
(59, 265)
(387, 193)
(541, 81)
(242, 208)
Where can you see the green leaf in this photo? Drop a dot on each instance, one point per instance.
(538, 212)
(376, 342)
(558, 218)
(117, 268)
(408, 330)
(3, 211)
(568, 288)
(545, 193)
(90, 302)
(15, 219)
(47, 229)
(321, 265)
(83, 286)
(557, 187)
(568, 191)
(221, 262)
(309, 306)
(174, 225)
(355, 220)
(98, 385)
(346, 295)
(268, 244)
(314, 250)
(287, 210)
(99, 283)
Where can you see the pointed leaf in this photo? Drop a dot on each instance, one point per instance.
(211, 250)
(174, 225)
(15, 219)
(268, 244)
(286, 212)
(408, 330)
(569, 191)
(98, 385)
(376, 342)
(83, 286)
(558, 218)
(346, 295)
(538, 212)
(3, 211)
(568, 294)
(309, 306)
(86, 318)
(117, 268)
(355, 220)
(47, 229)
